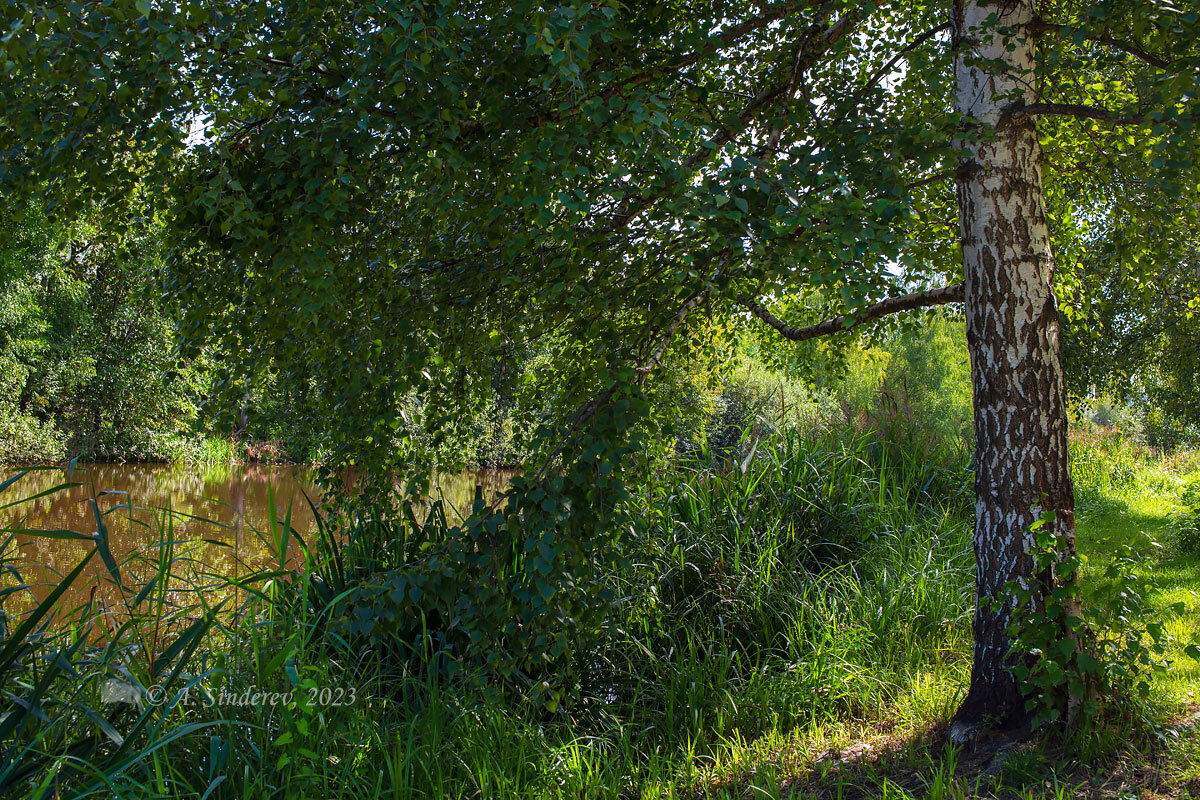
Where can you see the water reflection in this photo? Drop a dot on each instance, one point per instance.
(218, 522)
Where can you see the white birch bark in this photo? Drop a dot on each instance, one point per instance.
(1012, 330)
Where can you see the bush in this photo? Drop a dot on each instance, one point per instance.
(1166, 432)
(750, 403)
(1088, 656)
(1187, 520)
(1187, 532)
(23, 437)
(24, 440)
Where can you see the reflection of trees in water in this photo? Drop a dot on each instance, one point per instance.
(458, 491)
(230, 502)
(237, 502)
(207, 492)
(213, 503)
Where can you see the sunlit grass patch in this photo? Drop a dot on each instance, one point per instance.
(1171, 576)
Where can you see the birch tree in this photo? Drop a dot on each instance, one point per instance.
(1022, 468)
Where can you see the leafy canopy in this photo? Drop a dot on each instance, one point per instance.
(389, 193)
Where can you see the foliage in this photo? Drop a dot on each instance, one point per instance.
(1187, 520)
(392, 200)
(742, 635)
(1130, 327)
(916, 373)
(768, 632)
(514, 592)
(930, 366)
(341, 214)
(88, 362)
(85, 346)
(24, 437)
(751, 402)
(1116, 640)
(1168, 429)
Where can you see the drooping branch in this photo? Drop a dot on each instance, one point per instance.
(685, 309)
(727, 38)
(819, 39)
(588, 409)
(892, 305)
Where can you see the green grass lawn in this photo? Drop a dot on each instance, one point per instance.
(1142, 518)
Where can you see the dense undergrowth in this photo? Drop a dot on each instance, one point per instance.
(800, 583)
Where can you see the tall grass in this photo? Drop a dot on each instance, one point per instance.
(817, 576)
(799, 584)
(59, 666)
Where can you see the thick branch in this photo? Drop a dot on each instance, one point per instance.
(892, 305)
(1098, 113)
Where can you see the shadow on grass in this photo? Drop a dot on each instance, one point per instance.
(1144, 523)
(922, 765)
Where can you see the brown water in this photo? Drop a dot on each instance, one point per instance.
(218, 522)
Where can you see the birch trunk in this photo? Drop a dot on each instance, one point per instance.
(1012, 332)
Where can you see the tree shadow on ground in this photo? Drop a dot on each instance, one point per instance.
(922, 765)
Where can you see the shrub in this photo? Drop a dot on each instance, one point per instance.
(1187, 532)
(750, 402)
(23, 437)
(1187, 520)
(1088, 656)
(1166, 432)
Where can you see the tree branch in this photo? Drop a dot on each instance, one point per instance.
(726, 38)
(819, 40)
(886, 69)
(589, 408)
(937, 176)
(1098, 113)
(1041, 26)
(892, 305)
(685, 309)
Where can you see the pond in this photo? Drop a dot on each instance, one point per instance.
(218, 525)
